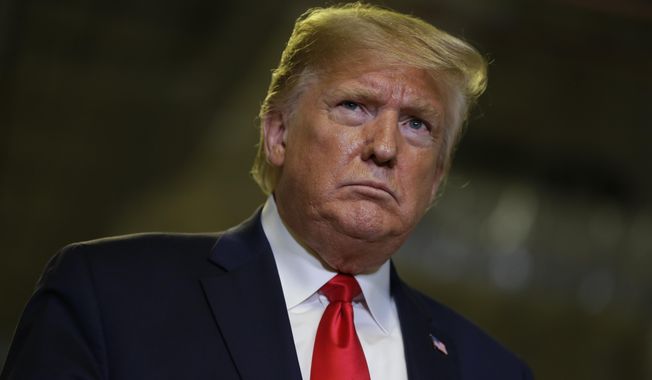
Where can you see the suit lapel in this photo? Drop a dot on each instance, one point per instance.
(423, 359)
(248, 305)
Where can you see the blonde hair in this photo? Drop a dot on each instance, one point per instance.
(324, 35)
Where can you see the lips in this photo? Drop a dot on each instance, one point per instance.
(379, 186)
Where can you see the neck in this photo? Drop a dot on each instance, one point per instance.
(340, 252)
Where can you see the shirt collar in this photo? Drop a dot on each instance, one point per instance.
(302, 274)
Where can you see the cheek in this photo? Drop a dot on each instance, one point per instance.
(312, 156)
(350, 148)
(420, 178)
(334, 145)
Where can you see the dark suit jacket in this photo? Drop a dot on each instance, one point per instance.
(159, 306)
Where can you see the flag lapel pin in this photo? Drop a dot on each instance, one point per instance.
(438, 345)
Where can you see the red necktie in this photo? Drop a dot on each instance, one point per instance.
(337, 354)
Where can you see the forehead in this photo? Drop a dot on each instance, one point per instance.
(400, 85)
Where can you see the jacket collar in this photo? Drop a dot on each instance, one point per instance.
(425, 356)
(248, 306)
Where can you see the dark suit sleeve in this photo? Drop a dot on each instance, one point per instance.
(60, 333)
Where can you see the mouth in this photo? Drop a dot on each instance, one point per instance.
(373, 188)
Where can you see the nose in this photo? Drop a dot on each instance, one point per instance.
(381, 140)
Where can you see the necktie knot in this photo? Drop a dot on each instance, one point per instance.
(341, 288)
(337, 353)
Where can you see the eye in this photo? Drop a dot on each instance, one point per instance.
(350, 105)
(348, 112)
(417, 124)
(418, 131)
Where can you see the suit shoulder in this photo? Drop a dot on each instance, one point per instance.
(145, 242)
(478, 352)
(145, 251)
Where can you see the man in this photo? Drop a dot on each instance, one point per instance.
(357, 131)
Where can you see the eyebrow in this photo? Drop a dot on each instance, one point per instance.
(415, 105)
(355, 93)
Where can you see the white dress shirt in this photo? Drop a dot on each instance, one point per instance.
(374, 313)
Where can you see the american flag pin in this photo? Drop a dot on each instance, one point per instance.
(438, 345)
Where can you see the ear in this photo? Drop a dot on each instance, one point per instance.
(275, 134)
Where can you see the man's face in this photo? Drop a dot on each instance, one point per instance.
(358, 160)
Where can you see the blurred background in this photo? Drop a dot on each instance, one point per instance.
(128, 116)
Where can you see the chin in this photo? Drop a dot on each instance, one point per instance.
(366, 232)
(369, 222)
